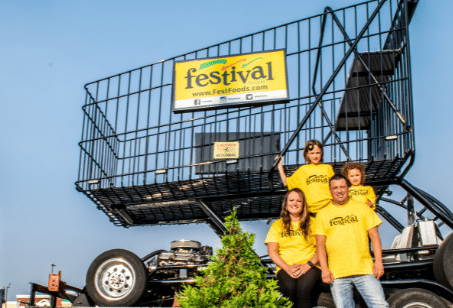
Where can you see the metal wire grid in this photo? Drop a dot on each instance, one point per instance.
(134, 150)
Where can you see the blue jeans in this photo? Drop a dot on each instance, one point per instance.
(368, 286)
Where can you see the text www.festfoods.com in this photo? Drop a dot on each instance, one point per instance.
(230, 91)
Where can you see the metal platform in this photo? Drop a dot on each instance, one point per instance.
(176, 203)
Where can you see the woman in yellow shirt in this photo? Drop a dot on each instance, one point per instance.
(312, 178)
(292, 246)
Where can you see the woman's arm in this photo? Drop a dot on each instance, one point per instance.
(306, 267)
(293, 270)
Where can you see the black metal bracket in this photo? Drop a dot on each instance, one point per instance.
(389, 218)
(215, 222)
(438, 209)
(433, 205)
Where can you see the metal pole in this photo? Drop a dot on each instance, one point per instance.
(31, 302)
(2, 295)
(215, 222)
(6, 294)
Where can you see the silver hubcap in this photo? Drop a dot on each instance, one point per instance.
(115, 279)
(418, 305)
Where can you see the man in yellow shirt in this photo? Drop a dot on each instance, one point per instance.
(342, 231)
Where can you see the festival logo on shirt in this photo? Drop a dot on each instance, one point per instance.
(358, 192)
(292, 233)
(318, 179)
(341, 221)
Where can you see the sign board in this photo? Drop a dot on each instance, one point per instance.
(231, 81)
(222, 152)
(226, 150)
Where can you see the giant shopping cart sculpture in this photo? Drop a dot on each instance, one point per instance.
(349, 78)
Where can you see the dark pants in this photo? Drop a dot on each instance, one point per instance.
(302, 291)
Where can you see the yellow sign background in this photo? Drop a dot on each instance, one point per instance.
(225, 150)
(251, 73)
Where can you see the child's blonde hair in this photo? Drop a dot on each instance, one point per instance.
(350, 166)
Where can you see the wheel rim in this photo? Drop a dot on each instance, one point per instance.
(115, 279)
(418, 305)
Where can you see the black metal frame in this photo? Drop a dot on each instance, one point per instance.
(138, 160)
(34, 287)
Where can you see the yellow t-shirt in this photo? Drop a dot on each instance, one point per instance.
(347, 244)
(362, 194)
(314, 182)
(293, 248)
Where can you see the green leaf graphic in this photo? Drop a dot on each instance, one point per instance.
(208, 64)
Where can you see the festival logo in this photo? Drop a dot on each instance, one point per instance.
(358, 192)
(318, 179)
(341, 221)
(292, 233)
(245, 79)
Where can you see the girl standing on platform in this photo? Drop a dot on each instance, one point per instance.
(292, 246)
(355, 173)
(312, 178)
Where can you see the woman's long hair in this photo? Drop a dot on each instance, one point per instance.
(304, 215)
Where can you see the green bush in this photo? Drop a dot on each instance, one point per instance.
(234, 278)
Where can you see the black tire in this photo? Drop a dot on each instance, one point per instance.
(325, 300)
(116, 278)
(443, 262)
(416, 298)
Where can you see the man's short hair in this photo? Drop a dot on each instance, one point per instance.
(338, 177)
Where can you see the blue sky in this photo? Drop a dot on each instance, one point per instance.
(50, 49)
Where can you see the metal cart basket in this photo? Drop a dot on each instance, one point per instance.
(349, 79)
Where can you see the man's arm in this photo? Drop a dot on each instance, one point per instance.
(378, 267)
(327, 276)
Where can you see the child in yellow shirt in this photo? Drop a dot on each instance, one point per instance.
(355, 173)
(312, 178)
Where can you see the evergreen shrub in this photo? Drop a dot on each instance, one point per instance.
(234, 278)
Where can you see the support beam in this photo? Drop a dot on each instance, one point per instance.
(436, 210)
(215, 222)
